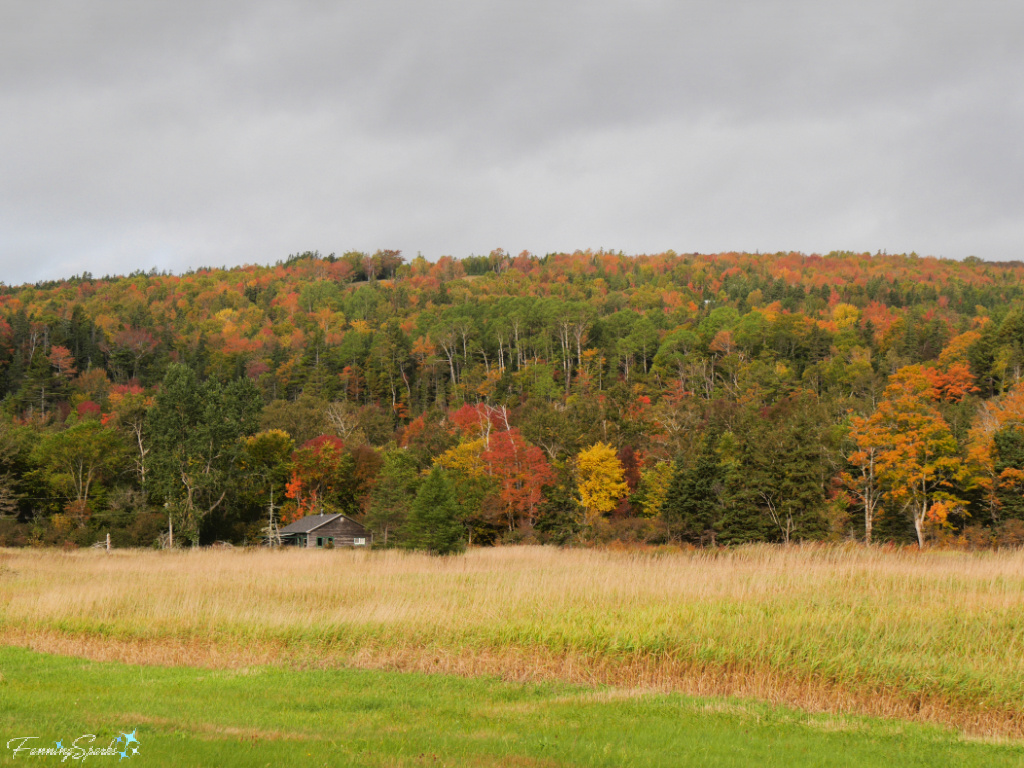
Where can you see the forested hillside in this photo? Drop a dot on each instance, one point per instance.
(570, 398)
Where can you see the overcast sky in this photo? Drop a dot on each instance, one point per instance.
(175, 135)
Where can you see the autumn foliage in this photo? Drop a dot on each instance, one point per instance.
(850, 396)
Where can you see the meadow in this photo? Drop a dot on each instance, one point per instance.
(933, 636)
(272, 716)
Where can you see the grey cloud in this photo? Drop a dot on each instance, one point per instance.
(141, 134)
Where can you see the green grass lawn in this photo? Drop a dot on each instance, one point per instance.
(276, 716)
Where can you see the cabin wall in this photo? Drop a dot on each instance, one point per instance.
(345, 533)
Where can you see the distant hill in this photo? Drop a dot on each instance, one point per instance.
(652, 355)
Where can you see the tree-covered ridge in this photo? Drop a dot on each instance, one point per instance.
(740, 397)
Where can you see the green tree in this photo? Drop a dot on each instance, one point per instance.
(433, 522)
(387, 371)
(393, 494)
(195, 430)
(264, 466)
(16, 465)
(77, 459)
(780, 474)
(1009, 463)
(559, 515)
(739, 519)
(693, 504)
(304, 419)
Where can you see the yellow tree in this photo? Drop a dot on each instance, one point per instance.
(475, 489)
(914, 453)
(600, 480)
(654, 483)
(464, 459)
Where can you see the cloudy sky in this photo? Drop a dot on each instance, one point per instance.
(175, 134)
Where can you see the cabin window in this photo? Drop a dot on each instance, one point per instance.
(358, 542)
(319, 541)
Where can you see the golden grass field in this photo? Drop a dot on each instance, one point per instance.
(934, 636)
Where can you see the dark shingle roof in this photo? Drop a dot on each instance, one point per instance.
(308, 524)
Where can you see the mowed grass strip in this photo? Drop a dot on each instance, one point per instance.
(931, 636)
(276, 716)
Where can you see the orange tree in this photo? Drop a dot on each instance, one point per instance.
(915, 455)
(863, 481)
(322, 479)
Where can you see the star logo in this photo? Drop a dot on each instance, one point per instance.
(129, 740)
(59, 744)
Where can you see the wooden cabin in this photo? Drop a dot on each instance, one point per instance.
(326, 531)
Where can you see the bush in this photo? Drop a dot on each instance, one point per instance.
(978, 537)
(13, 533)
(1010, 534)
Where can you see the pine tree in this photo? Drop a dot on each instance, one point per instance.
(433, 522)
(775, 488)
(693, 504)
(1009, 450)
(391, 499)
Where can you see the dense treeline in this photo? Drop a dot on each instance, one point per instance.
(583, 397)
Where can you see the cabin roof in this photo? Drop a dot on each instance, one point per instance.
(309, 524)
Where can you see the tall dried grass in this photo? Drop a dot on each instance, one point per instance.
(931, 636)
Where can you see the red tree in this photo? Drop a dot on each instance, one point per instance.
(521, 470)
(321, 473)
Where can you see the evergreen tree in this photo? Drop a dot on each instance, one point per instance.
(433, 522)
(393, 494)
(740, 521)
(559, 515)
(693, 504)
(776, 487)
(1009, 445)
